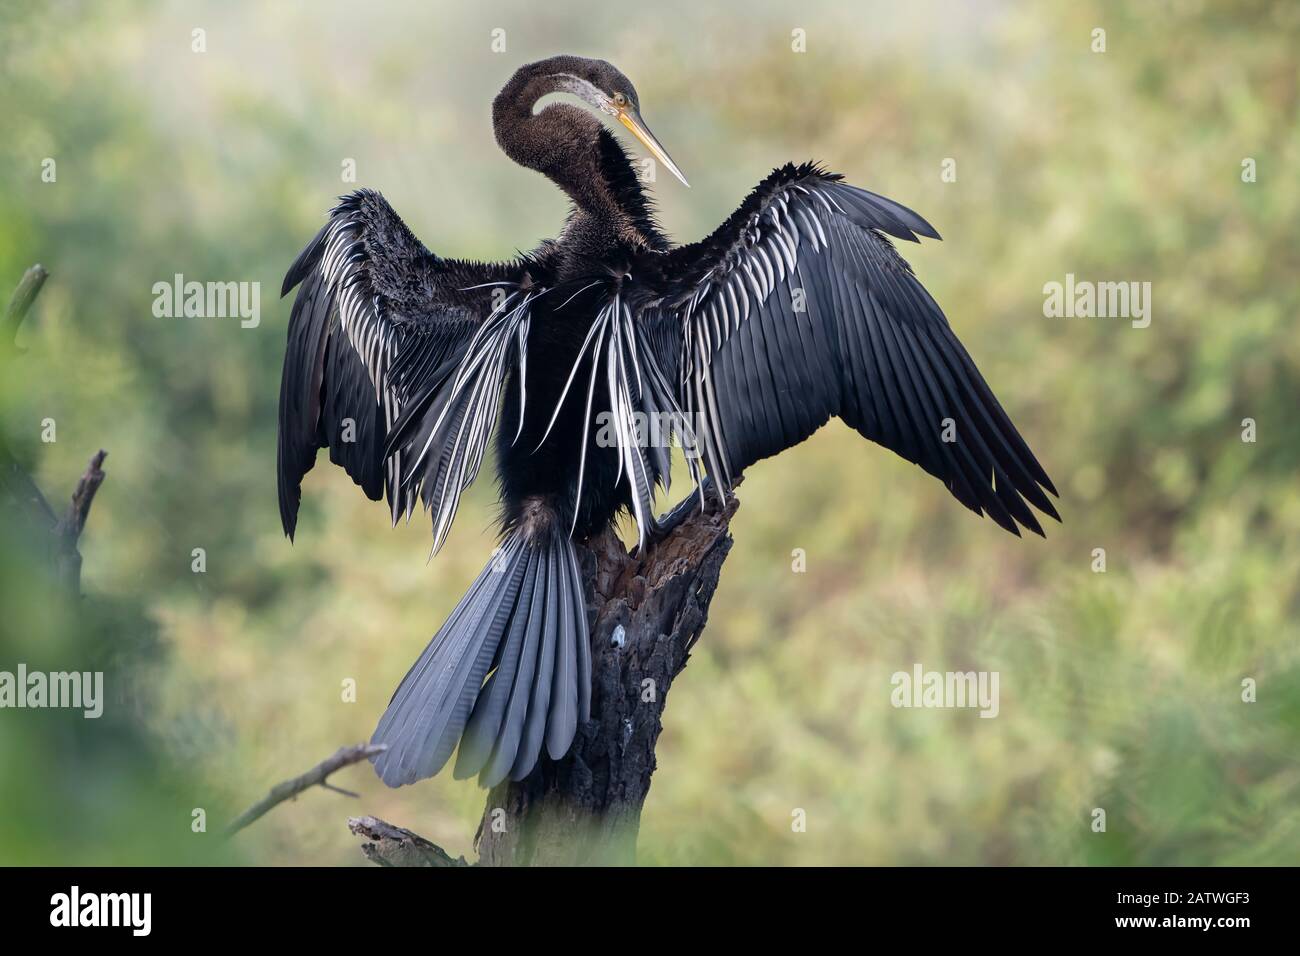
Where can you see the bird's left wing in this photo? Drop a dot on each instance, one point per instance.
(395, 361)
(797, 309)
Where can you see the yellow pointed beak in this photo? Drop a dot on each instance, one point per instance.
(633, 121)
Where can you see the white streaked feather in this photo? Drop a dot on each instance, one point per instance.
(767, 250)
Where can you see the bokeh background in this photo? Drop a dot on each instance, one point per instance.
(1120, 690)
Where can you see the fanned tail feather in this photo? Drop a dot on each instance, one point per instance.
(509, 672)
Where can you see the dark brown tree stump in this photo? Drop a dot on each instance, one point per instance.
(649, 611)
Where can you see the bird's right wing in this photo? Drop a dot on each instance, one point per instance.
(395, 361)
(797, 309)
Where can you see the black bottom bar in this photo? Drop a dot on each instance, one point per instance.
(212, 906)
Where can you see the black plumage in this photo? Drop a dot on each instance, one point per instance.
(796, 309)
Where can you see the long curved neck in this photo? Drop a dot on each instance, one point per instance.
(570, 147)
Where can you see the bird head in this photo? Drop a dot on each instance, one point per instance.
(603, 86)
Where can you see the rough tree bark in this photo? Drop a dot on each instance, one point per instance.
(392, 846)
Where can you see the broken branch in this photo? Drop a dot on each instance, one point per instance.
(396, 846)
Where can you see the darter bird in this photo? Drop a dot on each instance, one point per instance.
(796, 309)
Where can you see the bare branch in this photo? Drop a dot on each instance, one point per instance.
(74, 519)
(316, 776)
(67, 530)
(395, 846)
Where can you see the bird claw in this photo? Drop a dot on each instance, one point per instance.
(687, 508)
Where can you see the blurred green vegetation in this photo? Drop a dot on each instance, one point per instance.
(1120, 690)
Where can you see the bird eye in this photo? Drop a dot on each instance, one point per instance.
(620, 99)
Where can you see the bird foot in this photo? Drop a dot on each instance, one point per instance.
(687, 508)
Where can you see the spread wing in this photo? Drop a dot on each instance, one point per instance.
(395, 361)
(798, 308)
